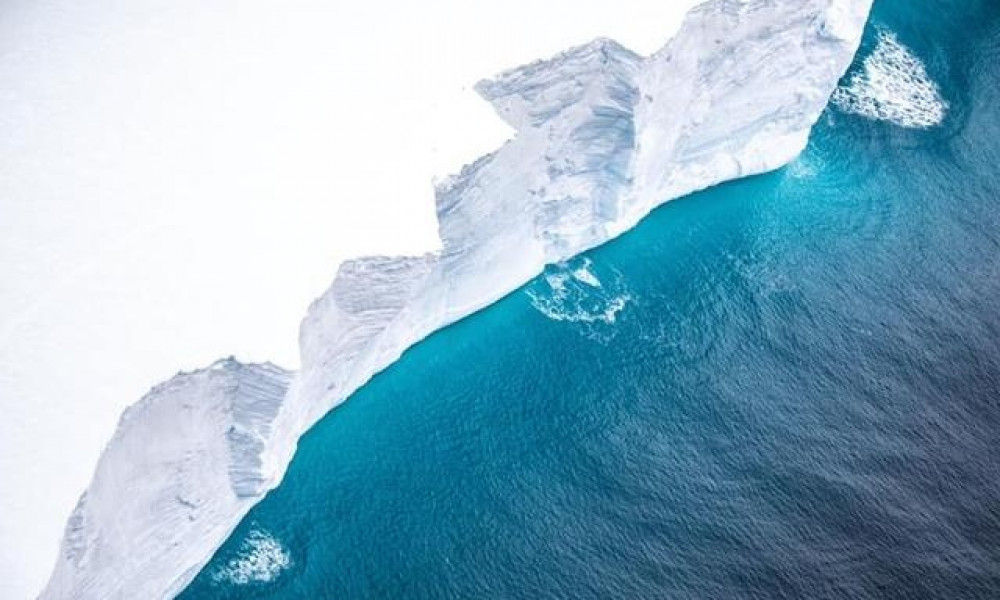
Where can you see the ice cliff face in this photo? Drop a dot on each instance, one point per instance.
(748, 79)
(184, 465)
(603, 137)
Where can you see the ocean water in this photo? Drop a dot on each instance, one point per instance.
(782, 387)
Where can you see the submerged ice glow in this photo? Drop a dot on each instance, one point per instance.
(800, 398)
(571, 291)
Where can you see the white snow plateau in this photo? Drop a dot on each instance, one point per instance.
(603, 136)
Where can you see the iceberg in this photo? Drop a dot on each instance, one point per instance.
(185, 462)
(603, 136)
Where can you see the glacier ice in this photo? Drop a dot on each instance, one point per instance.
(183, 467)
(603, 136)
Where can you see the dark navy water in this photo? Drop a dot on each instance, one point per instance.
(785, 387)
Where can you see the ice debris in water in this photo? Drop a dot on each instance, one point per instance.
(260, 560)
(893, 85)
(572, 291)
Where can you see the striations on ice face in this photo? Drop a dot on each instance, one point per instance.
(343, 337)
(748, 80)
(183, 467)
(603, 137)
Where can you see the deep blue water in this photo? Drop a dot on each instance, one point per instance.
(798, 398)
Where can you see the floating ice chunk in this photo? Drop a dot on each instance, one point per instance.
(893, 85)
(584, 275)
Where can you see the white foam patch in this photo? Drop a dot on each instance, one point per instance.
(261, 559)
(806, 166)
(573, 292)
(893, 85)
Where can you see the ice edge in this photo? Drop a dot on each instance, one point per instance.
(603, 137)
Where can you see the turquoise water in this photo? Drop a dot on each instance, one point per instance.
(784, 387)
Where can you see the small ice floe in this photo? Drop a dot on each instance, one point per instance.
(893, 85)
(573, 292)
(261, 559)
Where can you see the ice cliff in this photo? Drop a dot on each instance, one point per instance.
(603, 137)
(184, 465)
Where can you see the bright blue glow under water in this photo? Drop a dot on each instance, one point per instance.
(790, 388)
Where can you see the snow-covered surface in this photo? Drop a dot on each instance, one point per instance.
(893, 85)
(183, 467)
(180, 178)
(603, 137)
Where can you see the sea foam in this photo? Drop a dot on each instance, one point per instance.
(573, 292)
(893, 85)
(261, 559)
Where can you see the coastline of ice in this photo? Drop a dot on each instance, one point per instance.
(185, 461)
(603, 137)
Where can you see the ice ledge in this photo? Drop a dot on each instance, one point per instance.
(603, 137)
(183, 467)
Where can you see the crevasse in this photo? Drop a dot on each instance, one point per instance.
(603, 136)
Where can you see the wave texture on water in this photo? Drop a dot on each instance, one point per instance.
(800, 399)
(603, 136)
(570, 291)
